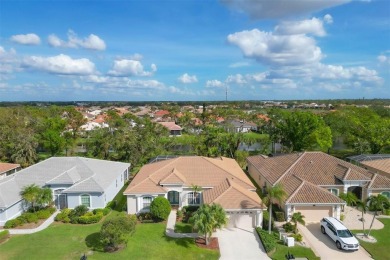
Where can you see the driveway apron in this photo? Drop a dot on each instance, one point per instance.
(237, 243)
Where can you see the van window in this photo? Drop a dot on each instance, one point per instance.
(344, 233)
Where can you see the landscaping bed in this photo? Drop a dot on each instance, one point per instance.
(213, 244)
(30, 219)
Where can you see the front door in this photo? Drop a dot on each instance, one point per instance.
(173, 197)
(60, 199)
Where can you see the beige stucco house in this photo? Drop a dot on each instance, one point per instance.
(314, 180)
(221, 179)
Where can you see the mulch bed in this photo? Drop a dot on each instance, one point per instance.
(30, 225)
(213, 245)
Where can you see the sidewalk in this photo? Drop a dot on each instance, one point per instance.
(44, 225)
(170, 230)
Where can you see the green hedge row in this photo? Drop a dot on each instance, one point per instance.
(81, 215)
(30, 217)
(268, 240)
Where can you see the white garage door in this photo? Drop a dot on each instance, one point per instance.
(314, 213)
(245, 220)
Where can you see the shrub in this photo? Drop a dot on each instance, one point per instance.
(342, 217)
(51, 210)
(22, 219)
(31, 217)
(115, 231)
(279, 216)
(80, 210)
(63, 215)
(269, 241)
(160, 208)
(12, 223)
(289, 227)
(179, 214)
(90, 218)
(145, 217)
(266, 220)
(111, 204)
(4, 235)
(387, 212)
(43, 214)
(104, 211)
(297, 237)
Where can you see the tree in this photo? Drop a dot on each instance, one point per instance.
(116, 231)
(160, 208)
(208, 218)
(31, 194)
(296, 218)
(350, 198)
(276, 194)
(363, 206)
(376, 203)
(299, 131)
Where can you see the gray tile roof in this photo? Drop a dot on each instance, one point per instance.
(84, 174)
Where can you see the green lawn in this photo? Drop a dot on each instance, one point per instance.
(181, 227)
(66, 241)
(297, 251)
(379, 250)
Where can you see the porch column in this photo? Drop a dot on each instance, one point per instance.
(259, 218)
(337, 211)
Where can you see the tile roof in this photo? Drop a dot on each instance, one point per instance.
(312, 194)
(88, 175)
(230, 195)
(195, 170)
(379, 182)
(170, 125)
(381, 164)
(5, 167)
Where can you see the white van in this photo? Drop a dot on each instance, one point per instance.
(339, 233)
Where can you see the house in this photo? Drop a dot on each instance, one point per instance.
(221, 179)
(379, 163)
(174, 129)
(314, 180)
(239, 126)
(8, 169)
(74, 181)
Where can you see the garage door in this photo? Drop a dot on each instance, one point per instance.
(314, 213)
(245, 220)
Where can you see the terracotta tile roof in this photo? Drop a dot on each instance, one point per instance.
(5, 167)
(196, 170)
(175, 177)
(310, 193)
(146, 186)
(379, 182)
(230, 195)
(350, 174)
(170, 125)
(161, 113)
(381, 165)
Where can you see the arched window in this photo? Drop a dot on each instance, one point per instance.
(334, 191)
(386, 194)
(86, 200)
(146, 202)
(193, 198)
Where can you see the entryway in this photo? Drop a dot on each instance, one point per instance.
(173, 197)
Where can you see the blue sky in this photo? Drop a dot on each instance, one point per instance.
(194, 50)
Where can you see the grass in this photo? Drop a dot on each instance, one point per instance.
(379, 250)
(66, 241)
(297, 251)
(181, 227)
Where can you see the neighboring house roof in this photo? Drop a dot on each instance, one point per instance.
(5, 167)
(303, 174)
(196, 170)
(380, 164)
(171, 126)
(84, 174)
(240, 124)
(161, 113)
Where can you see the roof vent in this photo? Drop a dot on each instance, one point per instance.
(311, 162)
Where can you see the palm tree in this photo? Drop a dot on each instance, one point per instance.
(31, 194)
(296, 218)
(349, 197)
(276, 194)
(208, 218)
(45, 197)
(376, 203)
(363, 206)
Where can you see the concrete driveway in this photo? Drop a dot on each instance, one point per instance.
(324, 247)
(236, 243)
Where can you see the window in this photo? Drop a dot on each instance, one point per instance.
(334, 191)
(386, 194)
(193, 198)
(86, 200)
(146, 202)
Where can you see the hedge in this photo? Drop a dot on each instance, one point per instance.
(29, 217)
(279, 216)
(266, 220)
(90, 217)
(268, 240)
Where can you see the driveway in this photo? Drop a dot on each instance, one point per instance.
(324, 247)
(237, 243)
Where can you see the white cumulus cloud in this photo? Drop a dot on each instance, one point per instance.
(328, 19)
(313, 26)
(60, 64)
(264, 9)
(280, 50)
(92, 42)
(214, 84)
(26, 39)
(127, 67)
(187, 79)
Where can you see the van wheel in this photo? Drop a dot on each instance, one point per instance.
(322, 230)
(338, 245)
